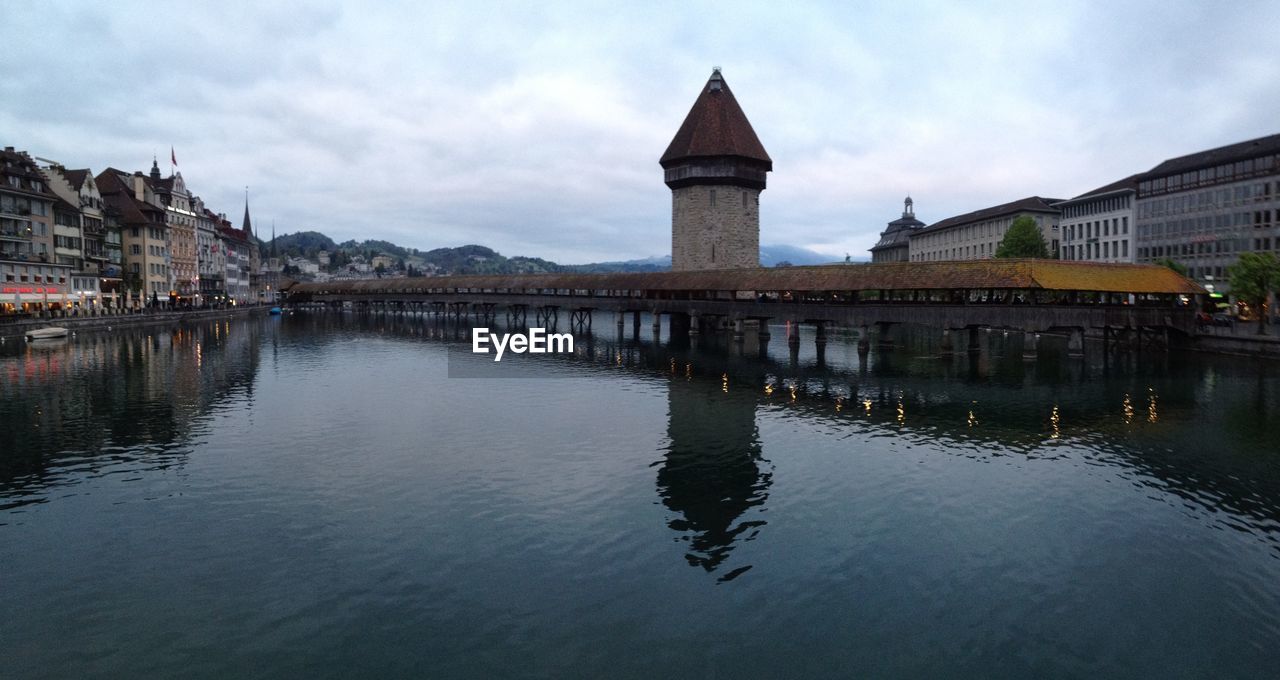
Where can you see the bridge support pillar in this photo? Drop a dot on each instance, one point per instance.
(738, 327)
(679, 327)
(763, 333)
(820, 334)
(884, 333)
(580, 320)
(1075, 343)
(864, 340)
(635, 324)
(1029, 345)
(657, 326)
(948, 347)
(975, 343)
(695, 323)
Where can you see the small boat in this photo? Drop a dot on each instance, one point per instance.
(276, 311)
(47, 333)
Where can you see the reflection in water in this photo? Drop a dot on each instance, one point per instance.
(713, 472)
(995, 517)
(104, 396)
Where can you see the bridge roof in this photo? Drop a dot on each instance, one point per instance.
(957, 275)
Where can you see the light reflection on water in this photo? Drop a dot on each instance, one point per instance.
(310, 496)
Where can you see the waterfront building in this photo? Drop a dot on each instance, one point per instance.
(180, 219)
(31, 280)
(133, 204)
(211, 259)
(1203, 209)
(99, 247)
(1097, 226)
(975, 235)
(894, 243)
(234, 244)
(255, 255)
(716, 168)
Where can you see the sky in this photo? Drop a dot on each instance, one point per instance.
(536, 128)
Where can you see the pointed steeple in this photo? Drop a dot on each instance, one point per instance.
(155, 169)
(273, 238)
(247, 226)
(716, 126)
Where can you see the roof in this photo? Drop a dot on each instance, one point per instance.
(1029, 204)
(966, 274)
(1129, 183)
(116, 187)
(716, 126)
(1223, 154)
(19, 164)
(76, 177)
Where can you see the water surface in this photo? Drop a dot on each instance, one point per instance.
(313, 496)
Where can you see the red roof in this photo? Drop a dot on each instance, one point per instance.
(716, 126)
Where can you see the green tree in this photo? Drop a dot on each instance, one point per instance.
(1254, 277)
(1175, 266)
(1023, 240)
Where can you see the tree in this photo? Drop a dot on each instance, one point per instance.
(1254, 277)
(784, 263)
(1023, 240)
(1175, 266)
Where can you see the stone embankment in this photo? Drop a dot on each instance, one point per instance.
(19, 327)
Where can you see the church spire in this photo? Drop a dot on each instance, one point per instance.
(247, 226)
(155, 169)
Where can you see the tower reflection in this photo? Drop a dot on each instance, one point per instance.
(713, 474)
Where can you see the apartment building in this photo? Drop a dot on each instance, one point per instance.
(1203, 209)
(975, 235)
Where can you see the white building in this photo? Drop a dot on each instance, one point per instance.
(975, 235)
(1099, 226)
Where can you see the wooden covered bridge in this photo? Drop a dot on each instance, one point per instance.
(1144, 303)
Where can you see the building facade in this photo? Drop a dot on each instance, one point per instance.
(1098, 226)
(1204, 209)
(716, 168)
(975, 235)
(31, 280)
(133, 205)
(895, 240)
(211, 258)
(180, 222)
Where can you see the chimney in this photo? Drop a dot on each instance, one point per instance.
(139, 190)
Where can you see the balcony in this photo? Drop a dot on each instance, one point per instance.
(12, 231)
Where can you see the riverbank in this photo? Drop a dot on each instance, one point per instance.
(10, 329)
(1241, 339)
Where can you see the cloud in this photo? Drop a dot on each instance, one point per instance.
(536, 129)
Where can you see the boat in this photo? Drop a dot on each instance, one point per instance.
(276, 311)
(46, 333)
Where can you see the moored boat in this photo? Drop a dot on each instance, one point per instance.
(46, 333)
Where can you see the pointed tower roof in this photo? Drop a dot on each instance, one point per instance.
(716, 126)
(247, 226)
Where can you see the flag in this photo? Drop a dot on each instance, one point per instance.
(173, 156)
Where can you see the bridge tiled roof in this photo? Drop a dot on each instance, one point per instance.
(971, 274)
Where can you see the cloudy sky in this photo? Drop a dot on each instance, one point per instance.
(535, 128)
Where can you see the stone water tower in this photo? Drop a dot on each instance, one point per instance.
(716, 168)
